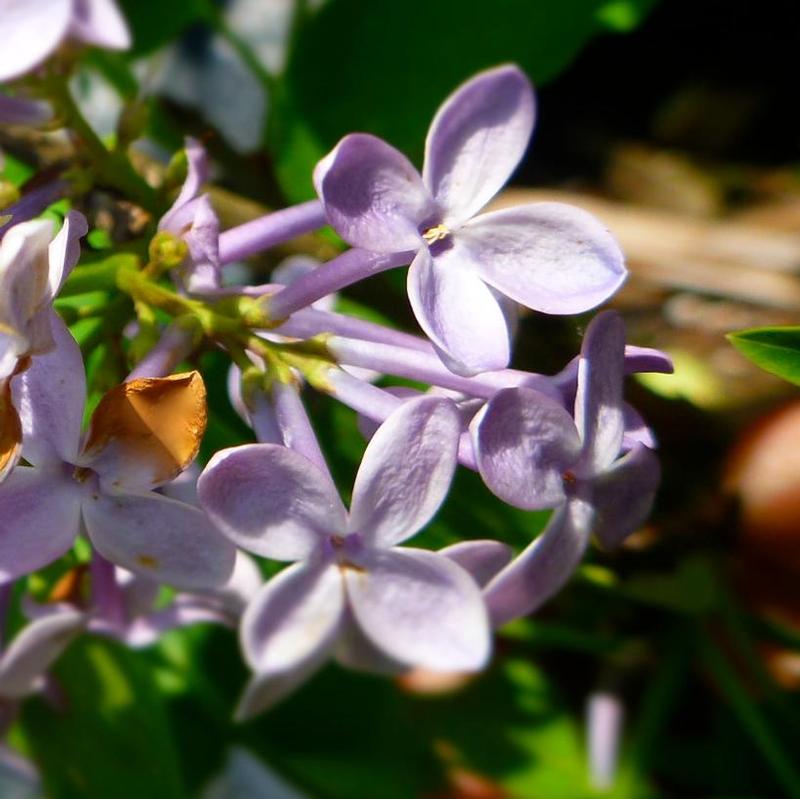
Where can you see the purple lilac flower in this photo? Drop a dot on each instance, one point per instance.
(32, 31)
(141, 435)
(353, 592)
(33, 266)
(532, 454)
(192, 219)
(20, 111)
(466, 269)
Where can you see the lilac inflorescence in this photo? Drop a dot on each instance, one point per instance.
(127, 485)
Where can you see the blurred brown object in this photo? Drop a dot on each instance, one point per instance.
(466, 784)
(434, 683)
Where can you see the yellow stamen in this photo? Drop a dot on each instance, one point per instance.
(434, 234)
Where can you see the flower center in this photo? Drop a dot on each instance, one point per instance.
(436, 233)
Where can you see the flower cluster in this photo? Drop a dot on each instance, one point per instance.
(121, 478)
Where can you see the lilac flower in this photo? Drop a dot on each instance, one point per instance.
(141, 435)
(532, 454)
(32, 31)
(32, 270)
(20, 111)
(547, 256)
(192, 219)
(353, 592)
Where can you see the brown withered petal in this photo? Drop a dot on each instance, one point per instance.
(10, 431)
(146, 431)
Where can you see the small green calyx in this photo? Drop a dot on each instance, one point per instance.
(167, 250)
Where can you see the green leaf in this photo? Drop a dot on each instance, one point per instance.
(112, 736)
(774, 349)
(154, 23)
(384, 68)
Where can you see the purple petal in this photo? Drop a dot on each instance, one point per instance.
(599, 413)
(647, 359)
(202, 272)
(550, 257)
(373, 195)
(543, 568)
(196, 176)
(623, 495)
(50, 397)
(605, 715)
(476, 140)
(480, 559)
(420, 608)
(19, 111)
(524, 443)
(289, 629)
(65, 250)
(146, 630)
(636, 429)
(99, 22)
(243, 585)
(35, 649)
(271, 501)
(264, 691)
(458, 311)
(39, 516)
(31, 32)
(355, 651)
(406, 471)
(159, 538)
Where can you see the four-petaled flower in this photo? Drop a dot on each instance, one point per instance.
(550, 257)
(353, 591)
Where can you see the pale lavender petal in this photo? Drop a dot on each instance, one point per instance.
(65, 250)
(482, 560)
(599, 414)
(184, 486)
(146, 630)
(354, 650)
(35, 649)
(100, 22)
(264, 691)
(31, 32)
(550, 257)
(406, 471)
(373, 195)
(271, 501)
(196, 176)
(476, 140)
(647, 359)
(19, 111)
(159, 538)
(458, 311)
(139, 594)
(50, 397)
(525, 442)
(368, 426)
(605, 714)
(420, 608)
(623, 495)
(544, 567)
(289, 629)
(39, 516)
(202, 272)
(295, 267)
(636, 429)
(243, 585)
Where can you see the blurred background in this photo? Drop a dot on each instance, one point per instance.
(678, 124)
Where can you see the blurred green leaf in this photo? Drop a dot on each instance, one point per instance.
(774, 349)
(154, 23)
(385, 67)
(112, 737)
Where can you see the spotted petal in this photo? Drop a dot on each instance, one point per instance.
(476, 140)
(159, 538)
(420, 608)
(271, 501)
(373, 195)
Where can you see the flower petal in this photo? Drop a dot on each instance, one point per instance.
(458, 311)
(544, 567)
(524, 443)
(39, 516)
(550, 257)
(196, 176)
(599, 407)
(480, 559)
(31, 31)
(354, 650)
(146, 431)
(159, 538)
(10, 431)
(373, 195)
(623, 495)
(65, 250)
(271, 501)
(20, 111)
(99, 22)
(35, 649)
(406, 471)
(420, 608)
(50, 396)
(476, 140)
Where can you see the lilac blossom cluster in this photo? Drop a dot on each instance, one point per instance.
(124, 481)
